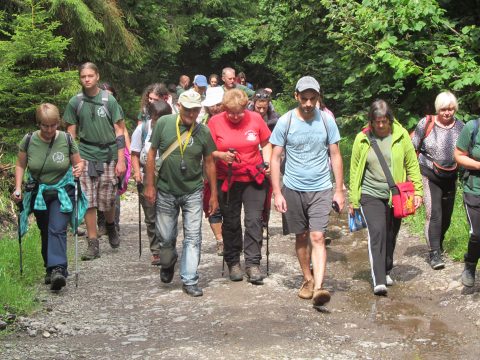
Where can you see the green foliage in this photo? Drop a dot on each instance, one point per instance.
(29, 71)
(18, 293)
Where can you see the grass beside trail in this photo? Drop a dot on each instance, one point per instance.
(18, 293)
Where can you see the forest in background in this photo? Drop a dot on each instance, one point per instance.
(404, 51)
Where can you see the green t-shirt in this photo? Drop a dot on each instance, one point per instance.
(374, 180)
(170, 179)
(95, 126)
(56, 164)
(472, 185)
(248, 91)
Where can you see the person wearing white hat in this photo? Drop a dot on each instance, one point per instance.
(307, 135)
(184, 144)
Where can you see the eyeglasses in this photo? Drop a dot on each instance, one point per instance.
(45, 126)
(262, 96)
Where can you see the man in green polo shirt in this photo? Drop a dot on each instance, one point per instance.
(228, 78)
(180, 186)
(97, 119)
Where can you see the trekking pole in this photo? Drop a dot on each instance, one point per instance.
(139, 190)
(20, 209)
(77, 197)
(229, 177)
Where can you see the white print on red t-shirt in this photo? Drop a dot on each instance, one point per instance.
(251, 135)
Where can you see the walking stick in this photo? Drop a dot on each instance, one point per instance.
(265, 165)
(20, 209)
(77, 197)
(139, 190)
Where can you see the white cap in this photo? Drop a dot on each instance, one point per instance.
(214, 96)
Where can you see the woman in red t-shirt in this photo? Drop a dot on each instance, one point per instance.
(241, 169)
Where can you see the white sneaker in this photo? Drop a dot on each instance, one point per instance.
(389, 280)
(380, 290)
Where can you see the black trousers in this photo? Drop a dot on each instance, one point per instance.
(383, 229)
(472, 206)
(252, 197)
(439, 200)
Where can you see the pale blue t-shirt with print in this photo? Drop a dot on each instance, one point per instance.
(306, 168)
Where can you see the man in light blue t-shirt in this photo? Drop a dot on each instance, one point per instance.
(308, 136)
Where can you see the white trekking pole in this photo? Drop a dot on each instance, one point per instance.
(77, 189)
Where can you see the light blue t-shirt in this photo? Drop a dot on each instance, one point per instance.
(306, 168)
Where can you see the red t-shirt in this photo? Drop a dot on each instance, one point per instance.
(244, 137)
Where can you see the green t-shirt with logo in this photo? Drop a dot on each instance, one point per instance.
(56, 164)
(94, 126)
(171, 179)
(472, 183)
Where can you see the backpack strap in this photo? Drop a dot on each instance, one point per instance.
(27, 141)
(105, 103)
(69, 140)
(429, 124)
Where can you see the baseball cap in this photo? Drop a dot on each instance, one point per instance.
(200, 80)
(190, 99)
(306, 83)
(214, 96)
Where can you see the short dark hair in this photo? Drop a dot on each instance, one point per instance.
(159, 108)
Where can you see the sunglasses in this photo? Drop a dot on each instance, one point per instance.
(262, 96)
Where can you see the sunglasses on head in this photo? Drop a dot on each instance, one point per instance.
(262, 96)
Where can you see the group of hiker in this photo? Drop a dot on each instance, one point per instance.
(211, 150)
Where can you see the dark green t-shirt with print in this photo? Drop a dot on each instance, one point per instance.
(374, 180)
(56, 164)
(472, 184)
(170, 179)
(94, 126)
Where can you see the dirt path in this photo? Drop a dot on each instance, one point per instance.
(121, 310)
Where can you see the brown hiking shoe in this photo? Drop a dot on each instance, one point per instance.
(93, 250)
(113, 237)
(306, 291)
(254, 275)
(219, 248)
(235, 271)
(320, 297)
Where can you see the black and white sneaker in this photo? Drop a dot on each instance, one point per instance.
(436, 260)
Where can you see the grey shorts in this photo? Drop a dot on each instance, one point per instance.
(306, 210)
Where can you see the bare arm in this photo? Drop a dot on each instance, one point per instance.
(120, 168)
(77, 164)
(337, 168)
(20, 167)
(136, 167)
(211, 173)
(279, 200)
(462, 159)
(72, 130)
(149, 191)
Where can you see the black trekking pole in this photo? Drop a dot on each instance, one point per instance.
(77, 197)
(139, 190)
(229, 177)
(20, 209)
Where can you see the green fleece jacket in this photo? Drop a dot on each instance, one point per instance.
(404, 162)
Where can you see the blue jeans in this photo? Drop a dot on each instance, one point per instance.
(166, 227)
(53, 230)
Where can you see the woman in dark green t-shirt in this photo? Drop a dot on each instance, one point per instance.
(49, 155)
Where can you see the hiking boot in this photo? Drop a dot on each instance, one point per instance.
(155, 260)
(468, 275)
(254, 275)
(380, 290)
(166, 274)
(436, 260)
(389, 280)
(93, 250)
(219, 248)
(192, 290)
(48, 278)
(235, 272)
(101, 230)
(320, 297)
(58, 279)
(306, 290)
(113, 237)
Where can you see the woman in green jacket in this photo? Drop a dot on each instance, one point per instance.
(369, 190)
